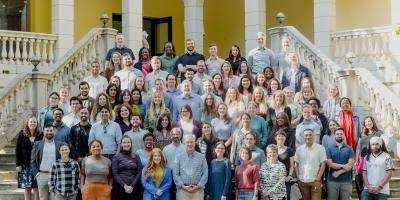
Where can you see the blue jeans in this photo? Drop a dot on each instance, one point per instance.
(365, 195)
(245, 195)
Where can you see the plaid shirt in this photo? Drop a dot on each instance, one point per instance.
(64, 178)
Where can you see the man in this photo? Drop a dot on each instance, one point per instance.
(61, 131)
(208, 88)
(169, 59)
(261, 57)
(294, 75)
(189, 77)
(307, 123)
(136, 133)
(128, 74)
(44, 154)
(96, 82)
(257, 154)
(282, 58)
(187, 97)
(80, 136)
(45, 115)
(213, 62)
(310, 165)
(320, 118)
(340, 160)
(108, 132)
(87, 101)
(188, 60)
(201, 75)
(377, 171)
(157, 72)
(73, 117)
(190, 171)
(119, 47)
(168, 100)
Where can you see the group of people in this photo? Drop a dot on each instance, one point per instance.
(191, 128)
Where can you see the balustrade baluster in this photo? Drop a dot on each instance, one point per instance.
(337, 49)
(38, 44)
(24, 51)
(342, 49)
(51, 52)
(356, 49)
(11, 50)
(31, 53)
(370, 48)
(364, 49)
(44, 54)
(17, 51)
(376, 46)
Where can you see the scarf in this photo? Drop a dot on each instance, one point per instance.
(348, 126)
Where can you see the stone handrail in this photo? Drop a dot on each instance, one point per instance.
(369, 45)
(17, 47)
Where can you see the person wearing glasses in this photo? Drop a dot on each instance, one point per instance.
(108, 132)
(46, 114)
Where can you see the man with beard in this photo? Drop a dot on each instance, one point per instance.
(80, 136)
(340, 160)
(377, 170)
(201, 74)
(157, 73)
(136, 133)
(97, 83)
(44, 154)
(61, 131)
(257, 154)
(128, 74)
(190, 98)
(73, 117)
(189, 75)
(188, 60)
(87, 101)
(160, 87)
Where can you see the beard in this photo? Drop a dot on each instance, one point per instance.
(377, 150)
(339, 140)
(50, 137)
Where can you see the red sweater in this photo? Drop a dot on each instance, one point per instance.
(247, 177)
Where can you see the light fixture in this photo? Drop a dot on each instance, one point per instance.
(350, 58)
(104, 19)
(35, 62)
(280, 17)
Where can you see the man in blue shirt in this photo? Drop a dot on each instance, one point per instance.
(61, 131)
(261, 57)
(340, 162)
(190, 98)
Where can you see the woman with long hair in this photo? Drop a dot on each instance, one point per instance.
(219, 180)
(282, 123)
(304, 95)
(209, 109)
(186, 122)
(285, 156)
(349, 122)
(295, 108)
(123, 118)
(126, 99)
(331, 105)
(101, 100)
(228, 78)
(223, 125)
(23, 149)
(238, 138)
(262, 82)
(329, 138)
(140, 84)
(244, 69)
(258, 125)
(156, 177)
(138, 101)
(235, 58)
(259, 99)
(206, 143)
(278, 105)
(273, 86)
(115, 64)
(369, 129)
(246, 89)
(156, 109)
(269, 74)
(235, 104)
(162, 135)
(247, 176)
(219, 88)
(143, 63)
(113, 94)
(64, 100)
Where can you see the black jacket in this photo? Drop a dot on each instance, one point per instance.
(23, 149)
(79, 140)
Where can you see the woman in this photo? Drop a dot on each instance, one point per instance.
(210, 108)
(262, 104)
(143, 63)
(126, 168)
(117, 81)
(126, 99)
(285, 156)
(113, 94)
(331, 105)
(273, 86)
(140, 84)
(23, 149)
(261, 82)
(295, 108)
(273, 176)
(156, 177)
(219, 88)
(101, 100)
(64, 100)
(303, 95)
(244, 69)
(96, 178)
(238, 137)
(186, 122)
(235, 58)
(172, 85)
(278, 105)
(64, 169)
(219, 180)
(235, 105)
(269, 74)
(228, 78)
(123, 118)
(138, 101)
(282, 123)
(258, 125)
(162, 136)
(223, 125)
(329, 138)
(156, 109)
(207, 142)
(115, 64)
(349, 122)
(247, 176)
(246, 89)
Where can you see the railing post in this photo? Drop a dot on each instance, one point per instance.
(107, 42)
(39, 83)
(276, 34)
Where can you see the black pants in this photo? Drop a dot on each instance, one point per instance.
(359, 184)
(120, 194)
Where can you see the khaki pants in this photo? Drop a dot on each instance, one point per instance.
(42, 179)
(311, 191)
(96, 191)
(60, 197)
(184, 195)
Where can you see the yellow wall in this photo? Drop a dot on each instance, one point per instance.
(40, 16)
(362, 13)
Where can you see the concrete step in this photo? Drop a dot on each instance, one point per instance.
(7, 166)
(8, 185)
(7, 158)
(15, 194)
(9, 149)
(8, 175)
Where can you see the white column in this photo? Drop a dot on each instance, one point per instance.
(324, 24)
(62, 22)
(255, 21)
(193, 23)
(132, 23)
(394, 44)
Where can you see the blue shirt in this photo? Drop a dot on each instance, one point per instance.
(258, 125)
(190, 170)
(195, 103)
(62, 134)
(260, 58)
(340, 156)
(109, 134)
(306, 124)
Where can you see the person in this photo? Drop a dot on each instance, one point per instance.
(61, 131)
(168, 100)
(101, 101)
(210, 108)
(377, 171)
(239, 136)
(138, 101)
(114, 64)
(370, 129)
(310, 164)
(340, 161)
(162, 133)
(293, 76)
(235, 105)
(273, 86)
(87, 101)
(262, 82)
(97, 83)
(304, 95)
(113, 94)
(144, 154)
(190, 171)
(169, 59)
(307, 123)
(306, 82)
(282, 123)
(64, 180)
(45, 115)
(189, 59)
(206, 143)
(269, 74)
(119, 47)
(96, 178)
(126, 171)
(278, 105)
(108, 132)
(140, 84)
(320, 118)
(247, 176)
(137, 132)
(285, 156)
(295, 107)
(208, 88)
(331, 105)
(80, 136)
(153, 114)
(213, 62)
(44, 154)
(186, 122)
(201, 74)
(123, 118)
(259, 99)
(219, 180)
(235, 58)
(244, 69)
(228, 77)
(189, 74)
(188, 98)
(222, 125)
(257, 154)
(143, 65)
(23, 149)
(261, 57)
(246, 89)
(64, 102)
(117, 81)
(156, 73)
(282, 57)
(258, 125)
(172, 85)
(329, 138)
(156, 178)
(127, 74)
(127, 100)
(73, 117)
(272, 176)
(349, 121)
(219, 88)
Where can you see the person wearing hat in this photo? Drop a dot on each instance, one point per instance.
(377, 170)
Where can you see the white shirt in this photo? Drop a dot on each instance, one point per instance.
(199, 79)
(309, 161)
(97, 85)
(71, 119)
(127, 78)
(48, 157)
(377, 168)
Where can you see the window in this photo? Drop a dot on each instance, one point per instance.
(14, 15)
